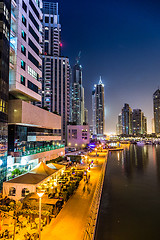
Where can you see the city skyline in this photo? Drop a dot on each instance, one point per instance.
(127, 52)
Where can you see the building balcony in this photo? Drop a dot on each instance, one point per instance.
(32, 151)
(24, 113)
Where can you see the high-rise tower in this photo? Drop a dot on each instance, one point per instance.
(34, 133)
(55, 68)
(77, 94)
(156, 108)
(126, 120)
(5, 8)
(98, 108)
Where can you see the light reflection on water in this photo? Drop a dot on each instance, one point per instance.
(130, 206)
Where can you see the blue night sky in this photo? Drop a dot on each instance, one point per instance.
(119, 40)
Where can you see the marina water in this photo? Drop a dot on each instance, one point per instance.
(130, 204)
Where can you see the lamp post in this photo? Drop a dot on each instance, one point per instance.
(40, 194)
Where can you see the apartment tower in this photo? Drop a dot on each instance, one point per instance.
(77, 94)
(156, 109)
(98, 108)
(55, 68)
(5, 9)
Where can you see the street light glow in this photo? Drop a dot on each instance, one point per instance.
(40, 194)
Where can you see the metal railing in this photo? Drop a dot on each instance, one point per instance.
(89, 233)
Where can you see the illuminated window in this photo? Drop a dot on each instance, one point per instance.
(23, 50)
(33, 73)
(22, 80)
(23, 34)
(12, 191)
(24, 20)
(23, 65)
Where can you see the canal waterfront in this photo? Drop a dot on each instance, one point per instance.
(130, 204)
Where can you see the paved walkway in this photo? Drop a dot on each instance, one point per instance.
(71, 221)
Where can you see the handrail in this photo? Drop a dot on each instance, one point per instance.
(89, 233)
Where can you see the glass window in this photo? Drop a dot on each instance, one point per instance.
(22, 80)
(46, 19)
(24, 20)
(24, 6)
(46, 34)
(23, 50)
(23, 34)
(74, 133)
(23, 65)
(32, 86)
(25, 192)
(33, 73)
(12, 191)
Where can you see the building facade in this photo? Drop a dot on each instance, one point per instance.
(86, 115)
(156, 109)
(98, 109)
(25, 50)
(5, 10)
(34, 133)
(126, 120)
(55, 68)
(77, 136)
(119, 125)
(77, 95)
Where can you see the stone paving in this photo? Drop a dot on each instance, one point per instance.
(71, 222)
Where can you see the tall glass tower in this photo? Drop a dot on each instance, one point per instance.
(77, 94)
(55, 68)
(98, 108)
(156, 107)
(5, 9)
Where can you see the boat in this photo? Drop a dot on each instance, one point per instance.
(115, 149)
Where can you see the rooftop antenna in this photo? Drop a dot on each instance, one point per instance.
(100, 80)
(78, 57)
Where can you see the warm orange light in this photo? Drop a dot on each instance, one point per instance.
(40, 194)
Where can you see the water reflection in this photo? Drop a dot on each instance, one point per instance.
(156, 153)
(134, 159)
(130, 204)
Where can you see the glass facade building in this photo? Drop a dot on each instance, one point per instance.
(156, 108)
(98, 109)
(5, 9)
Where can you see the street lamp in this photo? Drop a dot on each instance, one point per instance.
(40, 194)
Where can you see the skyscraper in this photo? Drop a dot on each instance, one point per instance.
(139, 122)
(5, 9)
(126, 120)
(55, 68)
(86, 115)
(119, 125)
(156, 108)
(77, 94)
(98, 108)
(32, 131)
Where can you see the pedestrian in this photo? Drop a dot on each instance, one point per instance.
(88, 190)
(84, 188)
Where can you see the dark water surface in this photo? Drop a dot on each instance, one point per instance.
(130, 204)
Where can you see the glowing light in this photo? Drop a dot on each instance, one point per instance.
(40, 194)
(1, 162)
(61, 44)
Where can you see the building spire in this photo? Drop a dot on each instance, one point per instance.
(100, 80)
(78, 57)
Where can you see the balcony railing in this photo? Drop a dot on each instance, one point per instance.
(39, 150)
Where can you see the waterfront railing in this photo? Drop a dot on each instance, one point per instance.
(89, 233)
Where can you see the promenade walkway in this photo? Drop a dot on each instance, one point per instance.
(71, 221)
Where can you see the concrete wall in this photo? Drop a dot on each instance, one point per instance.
(21, 112)
(78, 140)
